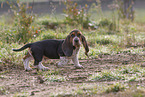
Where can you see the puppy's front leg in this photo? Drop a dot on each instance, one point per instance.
(76, 62)
(63, 61)
(40, 66)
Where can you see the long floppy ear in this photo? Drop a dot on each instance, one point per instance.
(84, 42)
(67, 46)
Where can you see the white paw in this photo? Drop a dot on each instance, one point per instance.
(40, 67)
(59, 65)
(28, 69)
(79, 66)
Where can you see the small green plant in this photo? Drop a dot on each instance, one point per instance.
(75, 15)
(22, 21)
(115, 88)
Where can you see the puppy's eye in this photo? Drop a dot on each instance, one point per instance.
(72, 35)
(79, 35)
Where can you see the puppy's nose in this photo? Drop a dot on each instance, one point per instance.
(76, 40)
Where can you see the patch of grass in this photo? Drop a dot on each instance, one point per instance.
(4, 72)
(126, 73)
(22, 94)
(100, 37)
(97, 89)
(52, 76)
(104, 40)
(91, 89)
(3, 90)
(8, 57)
(107, 76)
(62, 94)
(55, 78)
(53, 72)
(50, 34)
(138, 93)
(50, 22)
(115, 88)
(94, 89)
(134, 69)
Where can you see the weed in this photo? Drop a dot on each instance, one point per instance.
(115, 88)
(75, 16)
(22, 22)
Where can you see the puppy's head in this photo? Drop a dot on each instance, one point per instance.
(73, 40)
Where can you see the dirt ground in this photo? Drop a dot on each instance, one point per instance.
(17, 82)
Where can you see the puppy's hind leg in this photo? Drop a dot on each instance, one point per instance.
(26, 60)
(38, 56)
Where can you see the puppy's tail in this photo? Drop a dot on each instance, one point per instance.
(22, 48)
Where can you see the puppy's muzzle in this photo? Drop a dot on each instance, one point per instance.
(76, 40)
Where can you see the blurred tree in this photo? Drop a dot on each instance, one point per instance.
(126, 9)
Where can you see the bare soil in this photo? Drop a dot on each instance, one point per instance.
(18, 82)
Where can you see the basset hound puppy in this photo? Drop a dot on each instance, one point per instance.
(55, 49)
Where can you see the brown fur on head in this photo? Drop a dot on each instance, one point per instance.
(73, 40)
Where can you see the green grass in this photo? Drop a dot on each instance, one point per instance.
(52, 76)
(3, 90)
(8, 57)
(115, 88)
(55, 78)
(95, 89)
(107, 76)
(129, 73)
